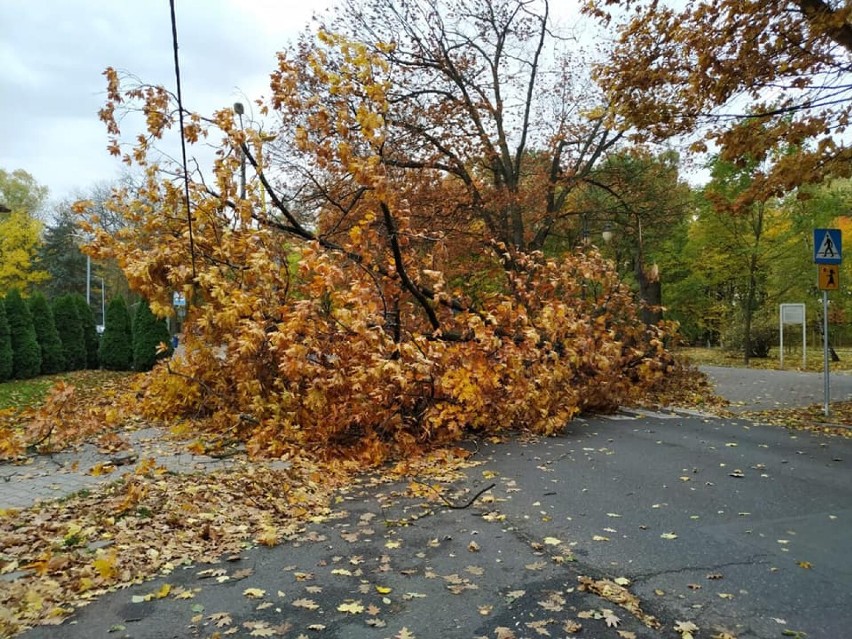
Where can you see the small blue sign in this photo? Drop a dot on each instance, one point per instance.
(828, 248)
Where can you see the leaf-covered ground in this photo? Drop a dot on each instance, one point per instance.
(61, 555)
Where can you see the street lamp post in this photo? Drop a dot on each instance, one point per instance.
(103, 302)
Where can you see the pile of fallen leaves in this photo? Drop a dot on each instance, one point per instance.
(78, 406)
(61, 555)
(684, 386)
(809, 418)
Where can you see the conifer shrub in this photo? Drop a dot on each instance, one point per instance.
(70, 329)
(26, 355)
(90, 332)
(116, 351)
(5, 346)
(50, 344)
(148, 332)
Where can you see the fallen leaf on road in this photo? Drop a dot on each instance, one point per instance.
(552, 541)
(806, 565)
(599, 538)
(254, 593)
(619, 595)
(571, 627)
(610, 619)
(687, 629)
(352, 607)
(308, 604)
(668, 536)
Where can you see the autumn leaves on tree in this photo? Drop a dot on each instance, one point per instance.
(381, 284)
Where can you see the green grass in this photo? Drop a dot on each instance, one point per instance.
(30, 393)
(26, 393)
(792, 359)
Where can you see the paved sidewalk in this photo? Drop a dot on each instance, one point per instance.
(754, 389)
(45, 477)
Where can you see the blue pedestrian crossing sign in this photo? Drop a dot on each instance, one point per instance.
(827, 246)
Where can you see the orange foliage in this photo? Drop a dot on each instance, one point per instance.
(343, 337)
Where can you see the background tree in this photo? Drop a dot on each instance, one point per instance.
(751, 76)
(149, 332)
(734, 251)
(479, 116)
(641, 199)
(26, 355)
(19, 241)
(52, 354)
(90, 333)
(60, 256)
(19, 191)
(70, 328)
(6, 362)
(116, 349)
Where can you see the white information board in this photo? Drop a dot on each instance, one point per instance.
(792, 314)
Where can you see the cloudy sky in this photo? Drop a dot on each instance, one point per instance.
(53, 52)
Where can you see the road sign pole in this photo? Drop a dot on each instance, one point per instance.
(826, 383)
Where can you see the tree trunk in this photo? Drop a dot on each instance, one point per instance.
(650, 292)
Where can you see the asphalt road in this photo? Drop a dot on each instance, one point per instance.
(731, 526)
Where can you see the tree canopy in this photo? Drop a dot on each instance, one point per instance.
(328, 303)
(752, 77)
(19, 191)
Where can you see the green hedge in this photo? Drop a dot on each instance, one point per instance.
(148, 333)
(90, 332)
(116, 352)
(70, 328)
(5, 346)
(26, 354)
(52, 355)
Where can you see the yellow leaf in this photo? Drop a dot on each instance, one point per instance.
(254, 593)
(383, 590)
(106, 565)
(552, 541)
(352, 607)
(164, 591)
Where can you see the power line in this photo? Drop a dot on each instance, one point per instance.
(182, 138)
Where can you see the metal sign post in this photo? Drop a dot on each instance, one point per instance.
(828, 254)
(826, 383)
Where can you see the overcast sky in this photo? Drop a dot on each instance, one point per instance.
(53, 52)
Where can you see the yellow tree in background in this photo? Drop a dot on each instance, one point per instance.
(19, 240)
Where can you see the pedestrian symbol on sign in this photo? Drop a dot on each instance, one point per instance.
(827, 246)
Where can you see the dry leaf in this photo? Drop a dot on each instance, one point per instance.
(254, 593)
(352, 607)
(309, 604)
(687, 629)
